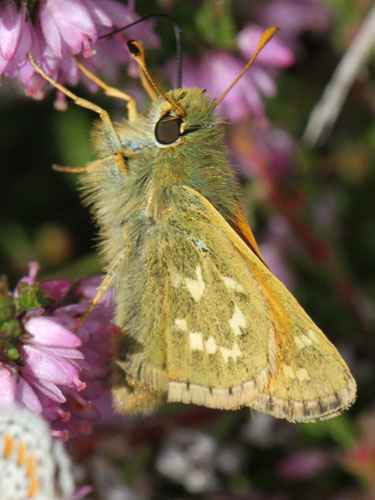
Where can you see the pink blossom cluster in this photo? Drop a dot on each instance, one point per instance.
(61, 366)
(218, 69)
(54, 31)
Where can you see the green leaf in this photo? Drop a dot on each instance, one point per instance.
(30, 296)
(7, 306)
(216, 26)
(339, 429)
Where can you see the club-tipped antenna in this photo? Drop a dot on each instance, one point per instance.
(265, 38)
(136, 50)
(177, 33)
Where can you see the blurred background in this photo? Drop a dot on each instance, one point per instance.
(308, 191)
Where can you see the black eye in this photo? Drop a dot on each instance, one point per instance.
(168, 129)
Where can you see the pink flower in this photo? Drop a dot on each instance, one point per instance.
(8, 387)
(276, 261)
(218, 69)
(304, 464)
(11, 24)
(67, 22)
(257, 146)
(215, 72)
(293, 17)
(55, 31)
(275, 53)
(44, 363)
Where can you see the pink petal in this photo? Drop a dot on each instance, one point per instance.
(304, 464)
(48, 389)
(31, 277)
(46, 331)
(20, 59)
(56, 289)
(275, 53)
(120, 14)
(295, 16)
(65, 353)
(263, 81)
(7, 386)
(73, 21)
(92, 371)
(98, 14)
(50, 30)
(253, 99)
(27, 396)
(3, 64)
(48, 367)
(11, 23)
(21, 68)
(278, 265)
(81, 492)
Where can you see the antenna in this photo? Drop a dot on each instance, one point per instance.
(136, 50)
(265, 38)
(177, 32)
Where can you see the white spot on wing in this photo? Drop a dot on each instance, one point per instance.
(300, 345)
(181, 324)
(177, 280)
(210, 345)
(233, 353)
(305, 340)
(302, 374)
(196, 287)
(237, 321)
(288, 371)
(313, 336)
(196, 341)
(232, 284)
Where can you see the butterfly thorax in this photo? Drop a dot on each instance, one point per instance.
(197, 158)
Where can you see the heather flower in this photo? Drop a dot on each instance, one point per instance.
(256, 146)
(276, 260)
(11, 24)
(360, 453)
(219, 68)
(304, 464)
(294, 17)
(54, 31)
(275, 53)
(44, 363)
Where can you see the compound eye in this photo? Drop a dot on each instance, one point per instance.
(168, 129)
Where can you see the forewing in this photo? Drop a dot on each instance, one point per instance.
(219, 336)
(205, 321)
(194, 321)
(310, 379)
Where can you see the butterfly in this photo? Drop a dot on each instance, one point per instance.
(203, 320)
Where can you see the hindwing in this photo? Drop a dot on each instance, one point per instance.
(209, 324)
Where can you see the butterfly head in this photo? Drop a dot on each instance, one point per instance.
(171, 128)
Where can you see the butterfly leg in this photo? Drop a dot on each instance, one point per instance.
(105, 284)
(70, 170)
(146, 85)
(117, 158)
(130, 396)
(111, 91)
(79, 101)
(118, 94)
